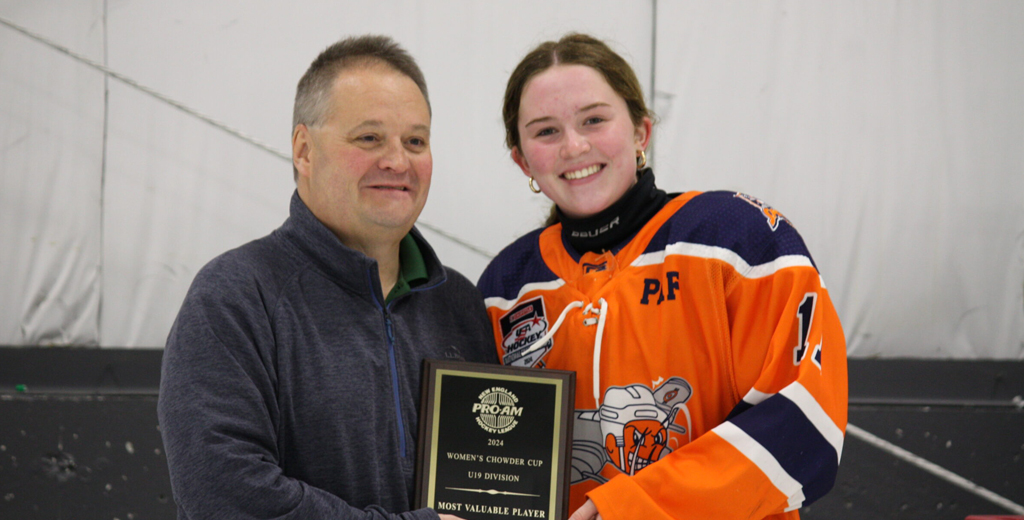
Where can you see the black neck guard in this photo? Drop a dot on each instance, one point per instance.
(616, 223)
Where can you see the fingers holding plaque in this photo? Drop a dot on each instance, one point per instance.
(494, 441)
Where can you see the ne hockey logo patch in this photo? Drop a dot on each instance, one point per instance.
(521, 327)
(773, 215)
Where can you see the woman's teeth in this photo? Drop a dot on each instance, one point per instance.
(580, 174)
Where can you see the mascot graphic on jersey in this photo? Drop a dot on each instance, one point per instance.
(633, 427)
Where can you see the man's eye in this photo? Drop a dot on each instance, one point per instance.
(594, 120)
(417, 142)
(367, 138)
(545, 131)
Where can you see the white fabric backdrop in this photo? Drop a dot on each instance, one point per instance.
(890, 133)
(51, 155)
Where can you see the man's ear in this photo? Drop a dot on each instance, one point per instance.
(518, 158)
(302, 146)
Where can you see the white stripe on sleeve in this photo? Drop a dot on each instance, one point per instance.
(816, 414)
(764, 460)
(754, 397)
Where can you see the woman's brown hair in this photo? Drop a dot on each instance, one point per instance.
(572, 49)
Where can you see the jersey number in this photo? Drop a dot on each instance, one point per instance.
(804, 317)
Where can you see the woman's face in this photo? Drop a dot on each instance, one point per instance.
(577, 139)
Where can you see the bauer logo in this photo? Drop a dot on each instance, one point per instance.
(497, 410)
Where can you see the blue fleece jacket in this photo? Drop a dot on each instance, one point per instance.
(290, 390)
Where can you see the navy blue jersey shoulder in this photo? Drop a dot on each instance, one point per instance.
(518, 264)
(740, 223)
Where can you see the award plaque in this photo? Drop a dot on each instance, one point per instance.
(494, 441)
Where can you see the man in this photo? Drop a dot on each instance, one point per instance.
(290, 381)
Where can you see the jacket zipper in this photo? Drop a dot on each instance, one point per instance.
(394, 382)
(393, 363)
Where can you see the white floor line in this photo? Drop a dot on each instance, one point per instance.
(934, 469)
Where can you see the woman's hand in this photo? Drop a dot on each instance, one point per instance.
(588, 511)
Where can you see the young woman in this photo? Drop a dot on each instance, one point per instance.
(711, 365)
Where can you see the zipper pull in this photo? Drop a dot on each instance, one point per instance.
(390, 330)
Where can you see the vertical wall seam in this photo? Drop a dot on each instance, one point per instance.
(103, 182)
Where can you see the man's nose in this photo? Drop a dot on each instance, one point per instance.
(395, 158)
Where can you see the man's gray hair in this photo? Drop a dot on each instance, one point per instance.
(312, 97)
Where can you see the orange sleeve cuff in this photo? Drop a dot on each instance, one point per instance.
(622, 498)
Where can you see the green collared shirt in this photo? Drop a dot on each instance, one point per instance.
(412, 270)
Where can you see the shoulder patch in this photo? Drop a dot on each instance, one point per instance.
(773, 215)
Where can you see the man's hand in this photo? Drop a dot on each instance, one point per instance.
(588, 511)
(449, 517)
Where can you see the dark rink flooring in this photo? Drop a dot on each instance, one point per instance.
(80, 439)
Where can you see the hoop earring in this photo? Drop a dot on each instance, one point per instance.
(641, 160)
(535, 189)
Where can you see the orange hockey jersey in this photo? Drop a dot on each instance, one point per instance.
(710, 362)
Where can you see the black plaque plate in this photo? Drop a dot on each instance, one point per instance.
(494, 441)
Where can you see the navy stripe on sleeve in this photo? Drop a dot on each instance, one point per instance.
(780, 427)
